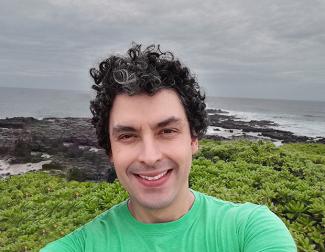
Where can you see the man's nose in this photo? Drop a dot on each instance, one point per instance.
(150, 152)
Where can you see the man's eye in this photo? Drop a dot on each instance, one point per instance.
(126, 137)
(168, 131)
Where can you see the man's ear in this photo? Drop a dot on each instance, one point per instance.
(194, 145)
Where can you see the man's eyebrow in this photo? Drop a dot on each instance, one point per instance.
(124, 128)
(168, 121)
(121, 128)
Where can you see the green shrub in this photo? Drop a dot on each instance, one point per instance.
(36, 208)
(289, 180)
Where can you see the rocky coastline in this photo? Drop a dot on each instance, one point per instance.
(221, 123)
(69, 143)
(68, 146)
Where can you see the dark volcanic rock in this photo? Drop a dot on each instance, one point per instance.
(320, 140)
(214, 111)
(214, 137)
(264, 128)
(71, 142)
(16, 122)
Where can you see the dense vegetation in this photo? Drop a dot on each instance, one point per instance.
(36, 208)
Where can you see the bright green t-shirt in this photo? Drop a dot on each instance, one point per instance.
(210, 225)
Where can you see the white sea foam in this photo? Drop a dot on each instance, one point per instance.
(292, 123)
(15, 169)
(235, 133)
(304, 118)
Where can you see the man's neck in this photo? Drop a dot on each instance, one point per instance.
(168, 214)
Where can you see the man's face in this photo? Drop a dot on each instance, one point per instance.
(152, 148)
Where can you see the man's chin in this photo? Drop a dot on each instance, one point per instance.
(153, 201)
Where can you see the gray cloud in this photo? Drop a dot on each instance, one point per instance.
(254, 48)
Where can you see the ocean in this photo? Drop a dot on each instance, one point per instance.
(305, 118)
(300, 117)
(40, 103)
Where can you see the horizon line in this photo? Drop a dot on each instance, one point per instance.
(212, 96)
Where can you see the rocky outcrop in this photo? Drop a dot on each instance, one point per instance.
(70, 143)
(219, 118)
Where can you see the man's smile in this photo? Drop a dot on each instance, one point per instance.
(153, 179)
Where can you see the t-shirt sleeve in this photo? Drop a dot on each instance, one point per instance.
(73, 242)
(265, 232)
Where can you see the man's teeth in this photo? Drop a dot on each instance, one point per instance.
(155, 177)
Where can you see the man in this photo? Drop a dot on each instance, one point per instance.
(149, 114)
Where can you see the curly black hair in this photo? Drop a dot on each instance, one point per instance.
(144, 71)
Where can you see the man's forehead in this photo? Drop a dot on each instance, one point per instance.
(145, 101)
(163, 93)
(164, 105)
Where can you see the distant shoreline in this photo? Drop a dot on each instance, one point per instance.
(226, 127)
(305, 118)
(69, 145)
(87, 91)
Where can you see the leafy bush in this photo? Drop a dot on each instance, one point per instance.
(289, 180)
(37, 208)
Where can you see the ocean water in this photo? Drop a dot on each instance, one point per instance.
(306, 118)
(300, 117)
(40, 103)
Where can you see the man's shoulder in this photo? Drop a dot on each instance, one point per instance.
(217, 204)
(236, 215)
(93, 231)
(252, 226)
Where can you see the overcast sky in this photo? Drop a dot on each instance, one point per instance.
(251, 48)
